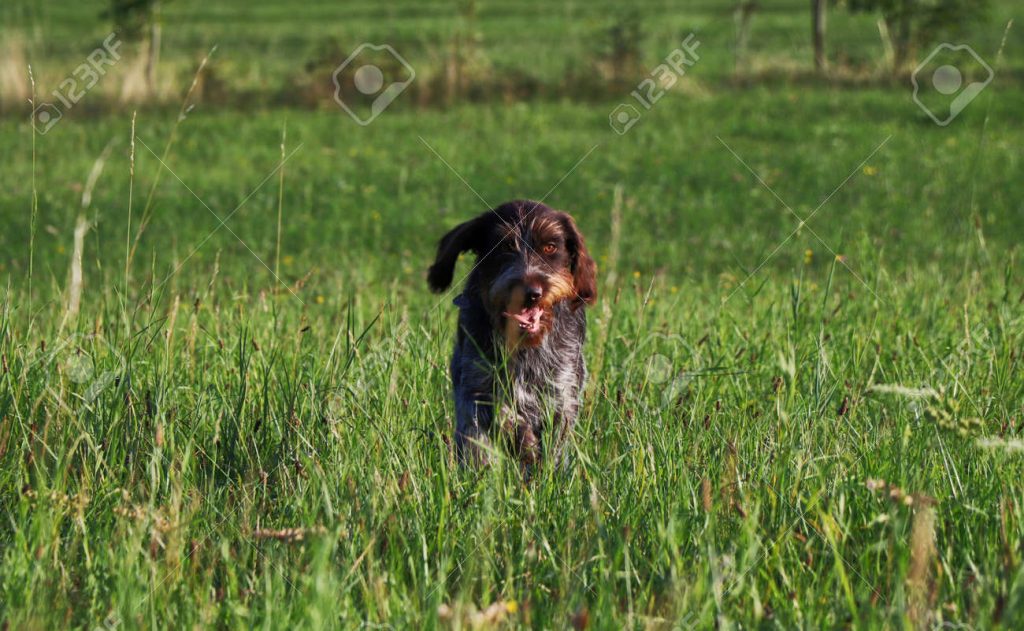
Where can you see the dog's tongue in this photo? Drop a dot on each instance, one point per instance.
(528, 319)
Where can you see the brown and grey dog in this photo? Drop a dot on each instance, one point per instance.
(518, 367)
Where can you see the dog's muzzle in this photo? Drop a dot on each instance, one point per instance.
(523, 307)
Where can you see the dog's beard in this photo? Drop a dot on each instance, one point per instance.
(525, 326)
(527, 320)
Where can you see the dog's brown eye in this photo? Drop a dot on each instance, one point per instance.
(549, 248)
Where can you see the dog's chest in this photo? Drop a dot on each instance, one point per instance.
(545, 380)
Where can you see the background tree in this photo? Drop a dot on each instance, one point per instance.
(906, 24)
(818, 10)
(135, 20)
(743, 15)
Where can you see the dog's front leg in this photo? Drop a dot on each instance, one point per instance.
(523, 439)
(474, 416)
(565, 417)
(564, 422)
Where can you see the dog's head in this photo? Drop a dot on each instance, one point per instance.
(528, 259)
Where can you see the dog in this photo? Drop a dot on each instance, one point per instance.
(517, 369)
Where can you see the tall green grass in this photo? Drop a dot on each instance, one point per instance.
(212, 445)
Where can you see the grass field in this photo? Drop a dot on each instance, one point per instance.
(805, 401)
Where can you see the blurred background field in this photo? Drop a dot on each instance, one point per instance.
(223, 393)
(514, 94)
(274, 54)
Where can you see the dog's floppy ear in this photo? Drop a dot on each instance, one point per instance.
(462, 237)
(584, 270)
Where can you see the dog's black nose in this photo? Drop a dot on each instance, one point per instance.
(533, 293)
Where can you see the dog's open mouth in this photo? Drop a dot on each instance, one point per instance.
(527, 318)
